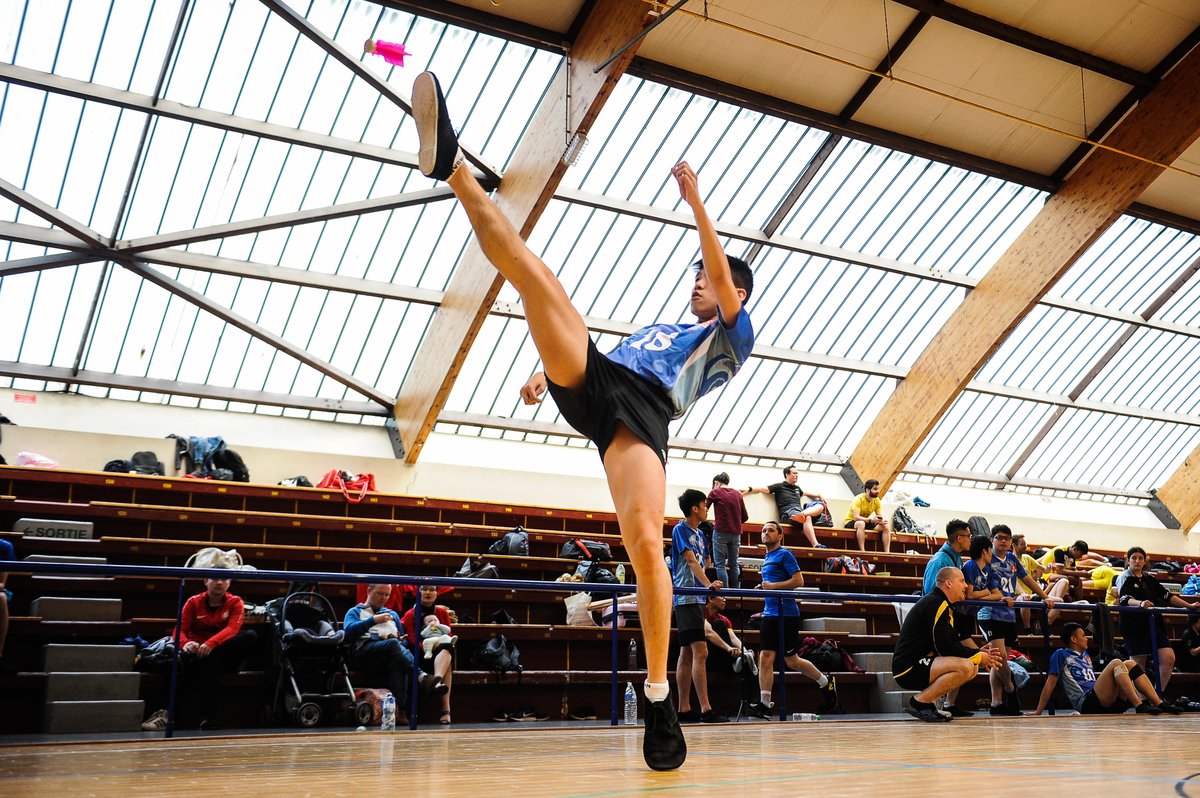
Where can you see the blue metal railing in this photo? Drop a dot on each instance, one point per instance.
(332, 577)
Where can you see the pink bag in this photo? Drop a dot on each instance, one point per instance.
(349, 484)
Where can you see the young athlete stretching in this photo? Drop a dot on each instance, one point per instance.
(622, 401)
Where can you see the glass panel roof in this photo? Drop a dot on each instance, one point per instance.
(842, 331)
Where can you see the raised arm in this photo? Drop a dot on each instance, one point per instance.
(716, 265)
(534, 387)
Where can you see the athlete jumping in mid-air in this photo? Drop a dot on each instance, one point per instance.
(621, 401)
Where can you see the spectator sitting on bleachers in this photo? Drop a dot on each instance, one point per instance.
(211, 642)
(780, 571)
(373, 639)
(1073, 563)
(1032, 567)
(726, 652)
(1142, 589)
(958, 542)
(1121, 685)
(930, 656)
(729, 511)
(441, 667)
(866, 512)
(1189, 646)
(6, 553)
(795, 506)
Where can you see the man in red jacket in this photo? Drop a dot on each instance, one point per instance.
(212, 641)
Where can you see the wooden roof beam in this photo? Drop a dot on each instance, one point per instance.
(1165, 124)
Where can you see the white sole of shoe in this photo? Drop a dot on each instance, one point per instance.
(425, 114)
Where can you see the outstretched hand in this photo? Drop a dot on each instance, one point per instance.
(534, 387)
(689, 184)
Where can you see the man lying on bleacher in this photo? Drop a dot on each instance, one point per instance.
(1121, 685)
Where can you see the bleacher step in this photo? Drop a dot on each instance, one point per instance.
(64, 658)
(93, 686)
(56, 608)
(892, 700)
(66, 558)
(884, 681)
(851, 625)
(69, 717)
(874, 661)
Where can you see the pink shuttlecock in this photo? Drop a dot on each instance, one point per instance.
(391, 52)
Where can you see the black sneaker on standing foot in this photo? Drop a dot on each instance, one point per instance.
(663, 746)
(925, 712)
(439, 153)
(955, 712)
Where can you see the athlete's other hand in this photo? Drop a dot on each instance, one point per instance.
(689, 186)
(990, 659)
(534, 387)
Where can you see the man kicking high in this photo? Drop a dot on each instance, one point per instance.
(621, 401)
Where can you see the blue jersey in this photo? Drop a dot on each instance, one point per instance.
(1005, 576)
(685, 538)
(6, 550)
(778, 566)
(945, 557)
(1075, 674)
(978, 579)
(687, 360)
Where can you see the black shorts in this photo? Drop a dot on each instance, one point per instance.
(768, 634)
(1092, 706)
(869, 525)
(964, 624)
(612, 393)
(689, 620)
(1000, 630)
(1137, 636)
(915, 677)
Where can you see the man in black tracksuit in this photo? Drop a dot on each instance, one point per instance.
(929, 656)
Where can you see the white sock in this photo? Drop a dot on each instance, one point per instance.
(657, 691)
(824, 680)
(764, 698)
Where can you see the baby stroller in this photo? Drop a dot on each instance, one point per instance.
(313, 681)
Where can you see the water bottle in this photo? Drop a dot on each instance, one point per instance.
(805, 716)
(388, 724)
(621, 573)
(633, 665)
(630, 705)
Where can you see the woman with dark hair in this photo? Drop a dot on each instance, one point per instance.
(1142, 590)
(441, 664)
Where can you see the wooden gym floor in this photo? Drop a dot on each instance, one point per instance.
(1126, 755)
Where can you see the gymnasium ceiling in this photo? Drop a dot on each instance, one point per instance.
(214, 205)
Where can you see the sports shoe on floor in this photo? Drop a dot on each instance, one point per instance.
(501, 716)
(439, 153)
(1004, 711)
(688, 716)
(712, 717)
(1187, 704)
(433, 684)
(663, 746)
(583, 713)
(208, 725)
(527, 714)
(955, 712)
(829, 698)
(1012, 701)
(156, 722)
(925, 712)
(1170, 708)
(758, 710)
(1146, 708)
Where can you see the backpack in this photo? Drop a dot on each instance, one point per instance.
(579, 549)
(146, 463)
(353, 486)
(296, 482)
(499, 656)
(845, 564)
(118, 466)
(477, 568)
(515, 542)
(156, 657)
(903, 523)
(591, 572)
(824, 519)
(827, 655)
(228, 459)
(979, 526)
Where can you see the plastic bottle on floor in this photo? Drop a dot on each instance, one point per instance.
(631, 706)
(388, 723)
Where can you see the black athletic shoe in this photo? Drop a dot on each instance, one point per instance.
(688, 716)
(1146, 708)
(501, 716)
(1004, 711)
(439, 153)
(1013, 701)
(712, 717)
(925, 712)
(663, 746)
(1187, 704)
(583, 713)
(955, 712)
(758, 710)
(1170, 708)
(829, 698)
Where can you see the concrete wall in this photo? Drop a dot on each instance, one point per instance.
(84, 433)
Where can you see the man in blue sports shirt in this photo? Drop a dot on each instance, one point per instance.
(623, 400)
(999, 624)
(780, 571)
(689, 554)
(1121, 685)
